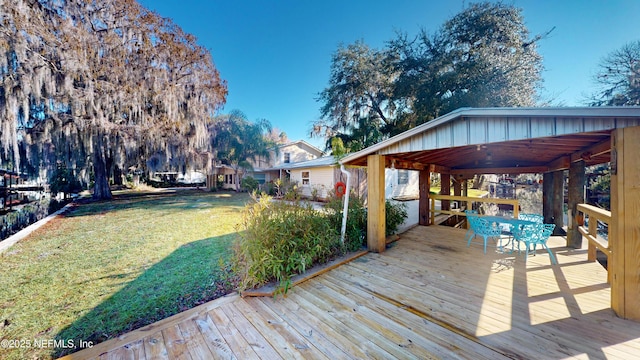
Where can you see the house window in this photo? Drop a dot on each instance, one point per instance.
(287, 158)
(403, 177)
(305, 178)
(261, 178)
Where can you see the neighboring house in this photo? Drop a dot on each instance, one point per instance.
(303, 163)
(315, 177)
(266, 170)
(324, 173)
(226, 174)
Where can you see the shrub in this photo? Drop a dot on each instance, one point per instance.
(14, 221)
(396, 214)
(356, 230)
(292, 191)
(64, 181)
(249, 184)
(278, 240)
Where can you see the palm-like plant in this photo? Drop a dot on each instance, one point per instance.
(240, 143)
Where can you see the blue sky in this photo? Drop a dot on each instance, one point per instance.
(276, 55)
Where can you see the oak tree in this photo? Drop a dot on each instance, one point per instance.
(102, 85)
(618, 77)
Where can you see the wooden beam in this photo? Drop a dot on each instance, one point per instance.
(445, 189)
(625, 227)
(575, 196)
(631, 237)
(400, 163)
(547, 197)
(507, 170)
(586, 154)
(457, 187)
(439, 169)
(616, 228)
(559, 164)
(424, 186)
(376, 216)
(558, 202)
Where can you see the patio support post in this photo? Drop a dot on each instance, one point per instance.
(576, 196)
(553, 200)
(376, 237)
(457, 186)
(424, 185)
(558, 202)
(624, 230)
(445, 189)
(547, 197)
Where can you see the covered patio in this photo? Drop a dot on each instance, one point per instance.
(428, 296)
(473, 141)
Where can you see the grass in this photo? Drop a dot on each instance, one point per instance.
(471, 192)
(107, 268)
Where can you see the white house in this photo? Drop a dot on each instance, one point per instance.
(303, 163)
(324, 173)
(313, 176)
(267, 169)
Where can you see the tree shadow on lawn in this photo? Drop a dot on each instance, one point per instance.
(182, 200)
(193, 274)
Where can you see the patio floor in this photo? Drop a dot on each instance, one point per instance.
(427, 296)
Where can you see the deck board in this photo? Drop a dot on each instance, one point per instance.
(427, 296)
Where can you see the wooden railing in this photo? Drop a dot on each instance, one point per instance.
(469, 203)
(595, 215)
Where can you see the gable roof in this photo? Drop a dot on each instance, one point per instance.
(494, 140)
(303, 143)
(319, 162)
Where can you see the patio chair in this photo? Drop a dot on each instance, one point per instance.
(484, 228)
(535, 234)
(470, 213)
(536, 218)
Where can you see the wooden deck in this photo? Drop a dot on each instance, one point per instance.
(427, 296)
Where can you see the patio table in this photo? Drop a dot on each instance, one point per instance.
(501, 220)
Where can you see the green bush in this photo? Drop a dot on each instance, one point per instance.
(249, 184)
(356, 230)
(396, 214)
(292, 191)
(64, 181)
(278, 240)
(14, 221)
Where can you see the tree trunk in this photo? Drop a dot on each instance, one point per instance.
(117, 175)
(101, 188)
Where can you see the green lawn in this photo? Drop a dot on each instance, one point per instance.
(107, 268)
(471, 192)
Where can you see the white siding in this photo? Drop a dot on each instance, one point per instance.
(296, 154)
(319, 177)
(393, 189)
(298, 151)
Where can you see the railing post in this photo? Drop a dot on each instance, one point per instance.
(433, 211)
(593, 231)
